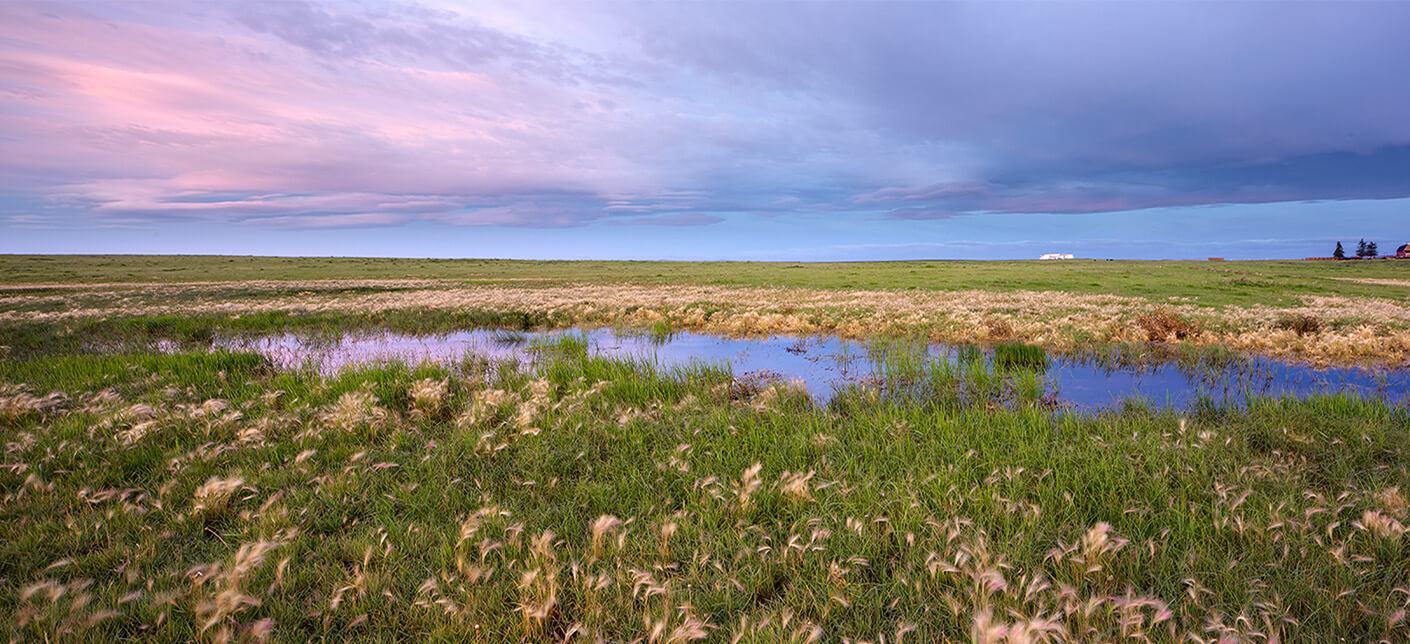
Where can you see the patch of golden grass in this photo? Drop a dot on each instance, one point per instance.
(1372, 280)
(1350, 330)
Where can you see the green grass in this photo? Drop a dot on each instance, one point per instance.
(1016, 355)
(188, 494)
(1242, 283)
(207, 495)
(102, 335)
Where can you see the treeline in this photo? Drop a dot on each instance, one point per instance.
(1364, 250)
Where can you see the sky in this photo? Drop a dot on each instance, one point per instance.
(695, 130)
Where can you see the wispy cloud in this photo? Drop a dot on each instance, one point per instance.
(682, 219)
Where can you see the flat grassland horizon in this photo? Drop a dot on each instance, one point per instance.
(1212, 283)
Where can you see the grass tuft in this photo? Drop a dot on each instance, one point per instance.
(1020, 356)
(1163, 325)
(1301, 324)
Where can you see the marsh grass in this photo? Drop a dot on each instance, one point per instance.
(908, 372)
(662, 331)
(561, 346)
(150, 332)
(202, 495)
(1013, 355)
(508, 338)
(1140, 357)
(1351, 330)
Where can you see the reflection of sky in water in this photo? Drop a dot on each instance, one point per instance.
(822, 363)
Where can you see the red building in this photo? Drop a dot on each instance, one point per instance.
(1403, 252)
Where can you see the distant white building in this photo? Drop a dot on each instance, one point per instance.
(1056, 256)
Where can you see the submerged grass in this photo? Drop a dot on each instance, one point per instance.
(907, 371)
(202, 495)
(1014, 355)
(22, 340)
(563, 346)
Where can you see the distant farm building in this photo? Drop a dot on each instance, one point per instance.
(1403, 252)
(1056, 256)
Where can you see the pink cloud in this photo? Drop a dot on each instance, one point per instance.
(349, 220)
(138, 118)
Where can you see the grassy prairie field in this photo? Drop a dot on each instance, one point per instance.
(192, 493)
(1208, 283)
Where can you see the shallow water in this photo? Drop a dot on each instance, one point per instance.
(824, 363)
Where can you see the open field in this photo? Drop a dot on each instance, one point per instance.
(1207, 283)
(190, 494)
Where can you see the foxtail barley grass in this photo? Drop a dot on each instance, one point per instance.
(196, 496)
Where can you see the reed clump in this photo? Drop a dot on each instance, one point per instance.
(998, 329)
(1016, 355)
(1164, 325)
(1300, 324)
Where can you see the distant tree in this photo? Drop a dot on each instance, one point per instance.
(1371, 249)
(1338, 253)
(1361, 248)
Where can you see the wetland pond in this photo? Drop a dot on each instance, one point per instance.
(826, 364)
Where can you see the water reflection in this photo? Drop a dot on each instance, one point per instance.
(826, 364)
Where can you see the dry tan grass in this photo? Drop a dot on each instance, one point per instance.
(255, 284)
(1165, 326)
(1355, 330)
(1370, 280)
